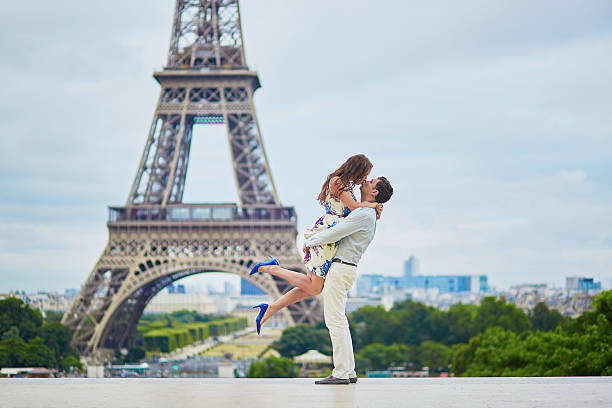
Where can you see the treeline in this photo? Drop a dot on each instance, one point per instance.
(411, 323)
(167, 332)
(494, 338)
(29, 340)
(581, 346)
(273, 367)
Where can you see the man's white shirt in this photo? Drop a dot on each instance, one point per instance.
(355, 232)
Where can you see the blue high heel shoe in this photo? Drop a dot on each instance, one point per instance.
(272, 261)
(262, 311)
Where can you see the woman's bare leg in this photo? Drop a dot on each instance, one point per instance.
(289, 298)
(310, 283)
(307, 285)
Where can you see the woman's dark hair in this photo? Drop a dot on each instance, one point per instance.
(354, 168)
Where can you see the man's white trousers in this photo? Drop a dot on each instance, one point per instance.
(339, 280)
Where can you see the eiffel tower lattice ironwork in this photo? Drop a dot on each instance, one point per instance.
(156, 239)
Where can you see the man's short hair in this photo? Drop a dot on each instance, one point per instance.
(385, 191)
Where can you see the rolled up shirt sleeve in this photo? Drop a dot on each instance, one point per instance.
(349, 225)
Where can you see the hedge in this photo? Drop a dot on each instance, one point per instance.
(167, 339)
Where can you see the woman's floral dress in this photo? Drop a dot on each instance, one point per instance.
(318, 259)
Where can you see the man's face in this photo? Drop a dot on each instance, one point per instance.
(367, 187)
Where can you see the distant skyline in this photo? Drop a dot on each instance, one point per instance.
(491, 119)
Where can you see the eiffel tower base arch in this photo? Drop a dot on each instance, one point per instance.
(142, 257)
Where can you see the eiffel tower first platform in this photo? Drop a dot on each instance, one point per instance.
(155, 238)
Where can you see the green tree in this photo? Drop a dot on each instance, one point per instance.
(39, 355)
(11, 333)
(496, 352)
(414, 322)
(28, 340)
(378, 356)
(15, 313)
(53, 316)
(461, 323)
(436, 323)
(14, 352)
(300, 338)
(71, 362)
(434, 355)
(603, 305)
(597, 337)
(582, 347)
(544, 319)
(273, 367)
(496, 312)
(371, 324)
(499, 352)
(57, 337)
(134, 355)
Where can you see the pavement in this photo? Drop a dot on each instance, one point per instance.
(557, 392)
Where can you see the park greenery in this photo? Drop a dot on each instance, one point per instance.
(494, 338)
(298, 339)
(273, 367)
(27, 339)
(168, 331)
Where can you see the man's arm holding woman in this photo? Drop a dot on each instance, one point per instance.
(353, 222)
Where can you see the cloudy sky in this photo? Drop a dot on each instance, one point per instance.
(492, 119)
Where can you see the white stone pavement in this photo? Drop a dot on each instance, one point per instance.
(556, 392)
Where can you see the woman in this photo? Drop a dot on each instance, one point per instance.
(338, 199)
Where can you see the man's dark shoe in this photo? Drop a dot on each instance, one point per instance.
(333, 380)
(352, 380)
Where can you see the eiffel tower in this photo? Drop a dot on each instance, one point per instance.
(156, 239)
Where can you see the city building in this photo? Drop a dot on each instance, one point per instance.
(44, 301)
(357, 302)
(165, 302)
(411, 279)
(526, 296)
(71, 292)
(228, 289)
(380, 284)
(435, 290)
(573, 300)
(250, 289)
(581, 284)
(411, 266)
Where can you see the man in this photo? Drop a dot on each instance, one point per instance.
(355, 233)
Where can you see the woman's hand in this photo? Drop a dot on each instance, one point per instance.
(379, 209)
